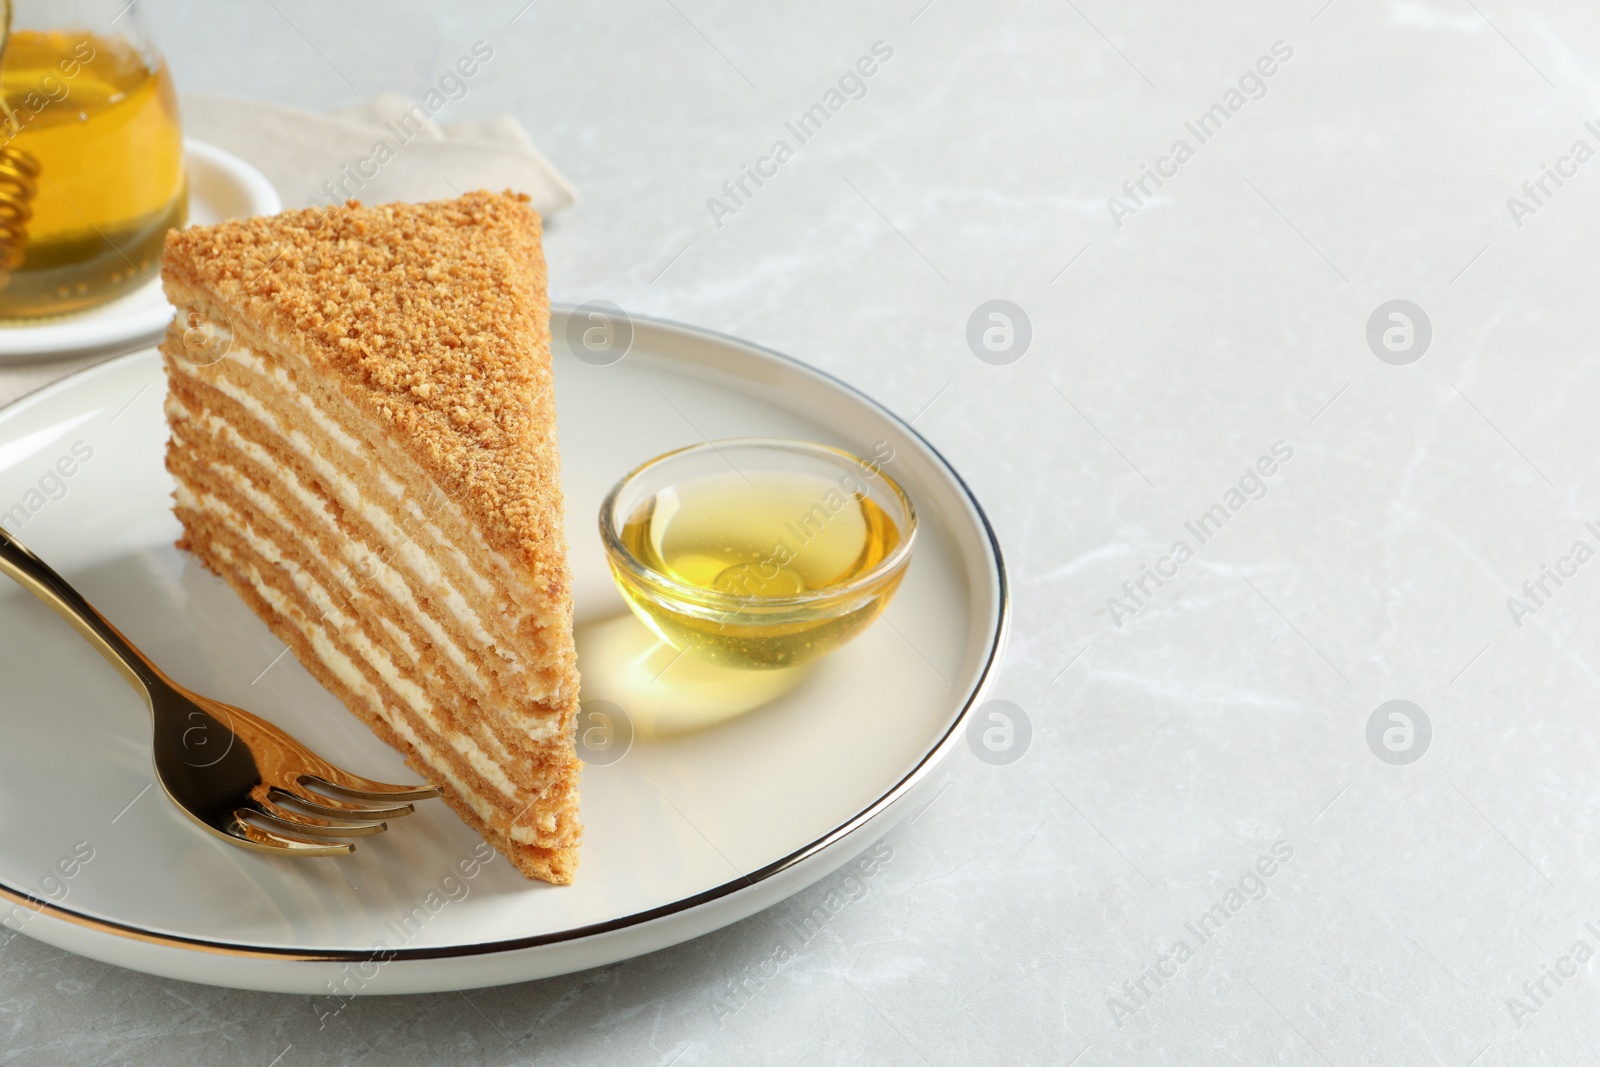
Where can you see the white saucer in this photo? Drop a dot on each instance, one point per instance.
(684, 834)
(221, 186)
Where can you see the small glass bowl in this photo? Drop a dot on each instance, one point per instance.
(748, 629)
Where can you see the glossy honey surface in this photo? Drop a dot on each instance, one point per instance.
(92, 126)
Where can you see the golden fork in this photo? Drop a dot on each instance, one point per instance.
(237, 775)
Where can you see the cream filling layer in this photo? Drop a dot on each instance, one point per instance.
(347, 672)
(539, 729)
(266, 505)
(249, 358)
(407, 693)
(384, 575)
(396, 541)
(504, 577)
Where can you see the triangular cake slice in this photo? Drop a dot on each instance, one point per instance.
(364, 443)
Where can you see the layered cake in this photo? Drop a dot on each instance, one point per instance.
(364, 443)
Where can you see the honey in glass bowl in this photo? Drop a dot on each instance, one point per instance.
(91, 168)
(758, 553)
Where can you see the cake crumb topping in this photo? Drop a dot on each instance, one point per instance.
(434, 319)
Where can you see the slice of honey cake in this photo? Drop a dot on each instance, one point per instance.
(364, 443)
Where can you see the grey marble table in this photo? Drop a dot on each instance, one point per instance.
(1221, 845)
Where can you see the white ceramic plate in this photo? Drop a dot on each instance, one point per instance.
(221, 186)
(682, 836)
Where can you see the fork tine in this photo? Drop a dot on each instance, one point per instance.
(332, 808)
(284, 821)
(268, 841)
(342, 783)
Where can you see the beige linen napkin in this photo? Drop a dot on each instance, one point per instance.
(322, 159)
(387, 149)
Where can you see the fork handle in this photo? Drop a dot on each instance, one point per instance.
(37, 577)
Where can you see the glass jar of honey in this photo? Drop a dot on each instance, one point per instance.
(91, 156)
